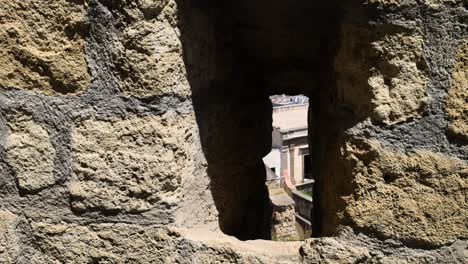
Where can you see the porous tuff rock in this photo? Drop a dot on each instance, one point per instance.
(284, 224)
(381, 73)
(236, 135)
(350, 246)
(329, 250)
(435, 4)
(104, 243)
(133, 243)
(417, 197)
(9, 241)
(148, 52)
(130, 164)
(42, 46)
(30, 153)
(457, 100)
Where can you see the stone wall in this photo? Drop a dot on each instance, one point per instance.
(284, 224)
(392, 164)
(133, 131)
(283, 220)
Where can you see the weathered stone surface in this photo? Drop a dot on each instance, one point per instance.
(350, 246)
(9, 242)
(416, 197)
(380, 74)
(284, 224)
(30, 153)
(137, 167)
(435, 4)
(42, 46)
(230, 250)
(329, 250)
(105, 243)
(131, 243)
(148, 52)
(129, 164)
(457, 100)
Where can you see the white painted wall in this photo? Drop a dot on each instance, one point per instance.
(273, 159)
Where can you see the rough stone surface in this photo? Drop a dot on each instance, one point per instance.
(104, 243)
(381, 74)
(148, 160)
(421, 195)
(148, 51)
(354, 247)
(330, 250)
(42, 46)
(30, 152)
(129, 165)
(9, 249)
(457, 101)
(130, 243)
(283, 226)
(434, 4)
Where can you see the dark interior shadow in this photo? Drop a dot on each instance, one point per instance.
(233, 114)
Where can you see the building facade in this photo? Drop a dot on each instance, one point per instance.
(289, 157)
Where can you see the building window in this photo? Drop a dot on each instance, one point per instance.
(307, 167)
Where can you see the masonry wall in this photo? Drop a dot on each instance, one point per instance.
(395, 79)
(121, 135)
(99, 142)
(393, 167)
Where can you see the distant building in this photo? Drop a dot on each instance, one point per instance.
(288, 171)
(289, 156)
(285, 100)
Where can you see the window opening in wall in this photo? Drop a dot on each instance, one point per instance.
(237, 54)
(307, 167)
(288, 166)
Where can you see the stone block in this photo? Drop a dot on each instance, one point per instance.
(42, 46)
(131, 164)
(105, 243)
(148, 57)
(381, 74)
(30, 153)
(417, 197)
(457, 99)
(134, 243)
(9, 241)
(331, 250)
(284, 224)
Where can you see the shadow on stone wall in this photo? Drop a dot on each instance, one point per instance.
(233, 113)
